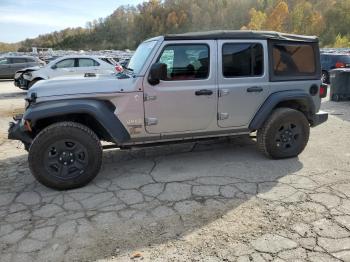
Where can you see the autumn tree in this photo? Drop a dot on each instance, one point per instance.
(128, 25)
(278, 17)
(257, 19)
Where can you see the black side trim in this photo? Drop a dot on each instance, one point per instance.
(101, 111)
(274, 99)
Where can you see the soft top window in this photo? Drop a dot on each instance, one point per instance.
(294, 60)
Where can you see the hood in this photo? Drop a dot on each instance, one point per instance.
(29, 69)
(80, 86)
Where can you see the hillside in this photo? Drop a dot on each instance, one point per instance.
(129, 25)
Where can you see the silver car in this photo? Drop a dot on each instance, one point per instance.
(176, 88)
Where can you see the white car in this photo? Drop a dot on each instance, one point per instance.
(64, 66)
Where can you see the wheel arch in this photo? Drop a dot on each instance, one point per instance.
(98, 115)
(298, 100)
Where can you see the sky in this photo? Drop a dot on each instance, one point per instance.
(21, 19)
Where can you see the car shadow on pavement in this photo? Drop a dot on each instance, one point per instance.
(141, 197)
(338, 109)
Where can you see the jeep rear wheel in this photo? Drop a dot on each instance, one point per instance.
(285, 134)
(65, 155)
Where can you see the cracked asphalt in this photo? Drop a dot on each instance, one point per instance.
(218, 200)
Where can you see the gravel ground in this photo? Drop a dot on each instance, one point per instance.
(212, 201)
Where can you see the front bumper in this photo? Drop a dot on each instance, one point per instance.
(319, 118)
(21, 82)
(17, 131)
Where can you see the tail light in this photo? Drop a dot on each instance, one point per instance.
(119, 68)
(323, 90)
(339, 65)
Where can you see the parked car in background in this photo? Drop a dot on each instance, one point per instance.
(124, 63)
(9, 65)
(113, 61)
(331, 61)
(63, 66)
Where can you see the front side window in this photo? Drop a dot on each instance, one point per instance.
(65, 63)
(293, 60)
(186, 62)
(242, 60)
(87, 62)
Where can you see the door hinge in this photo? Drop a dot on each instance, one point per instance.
(223, 92)
(149, 98)
(150, 121)
(223, 116)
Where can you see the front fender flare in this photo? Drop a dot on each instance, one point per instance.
(101, 111)
(283, 96)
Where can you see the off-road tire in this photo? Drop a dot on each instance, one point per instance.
(281, 121)
(48, 144)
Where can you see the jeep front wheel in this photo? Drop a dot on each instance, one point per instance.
(65, 155)
(284, 134)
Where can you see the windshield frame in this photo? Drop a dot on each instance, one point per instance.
(141, 65)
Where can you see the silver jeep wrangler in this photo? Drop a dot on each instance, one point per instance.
(176, 88)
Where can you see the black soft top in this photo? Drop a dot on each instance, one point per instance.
(240, 34)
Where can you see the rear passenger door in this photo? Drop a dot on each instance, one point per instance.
(5, 68)
(243, 81)
(87, 65)
(17, 63)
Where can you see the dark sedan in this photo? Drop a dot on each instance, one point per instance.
(9, 65)
(331, 61)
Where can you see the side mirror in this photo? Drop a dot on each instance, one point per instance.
(54, 67)
(158, 72)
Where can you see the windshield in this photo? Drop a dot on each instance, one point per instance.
(141, 54)
(344, 58)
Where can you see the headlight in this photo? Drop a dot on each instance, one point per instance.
(28, 74)
(17, 75)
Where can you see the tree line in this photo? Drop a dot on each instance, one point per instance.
(129, 25)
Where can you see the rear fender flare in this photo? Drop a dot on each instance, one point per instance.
(283, 96)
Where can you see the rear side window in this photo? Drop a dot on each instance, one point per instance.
(31, 60)
(293, 60)
(107, 60)
(345, 58)
(87, 62)
(18, 60)
(242, 60)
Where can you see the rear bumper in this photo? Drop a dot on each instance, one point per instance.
(16, 131)
(319, 118)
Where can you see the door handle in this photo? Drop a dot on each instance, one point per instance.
(255, 89)
(204, 92)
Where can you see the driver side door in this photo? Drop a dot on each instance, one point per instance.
(186, 100)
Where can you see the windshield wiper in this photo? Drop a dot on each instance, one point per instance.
(129, 69)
